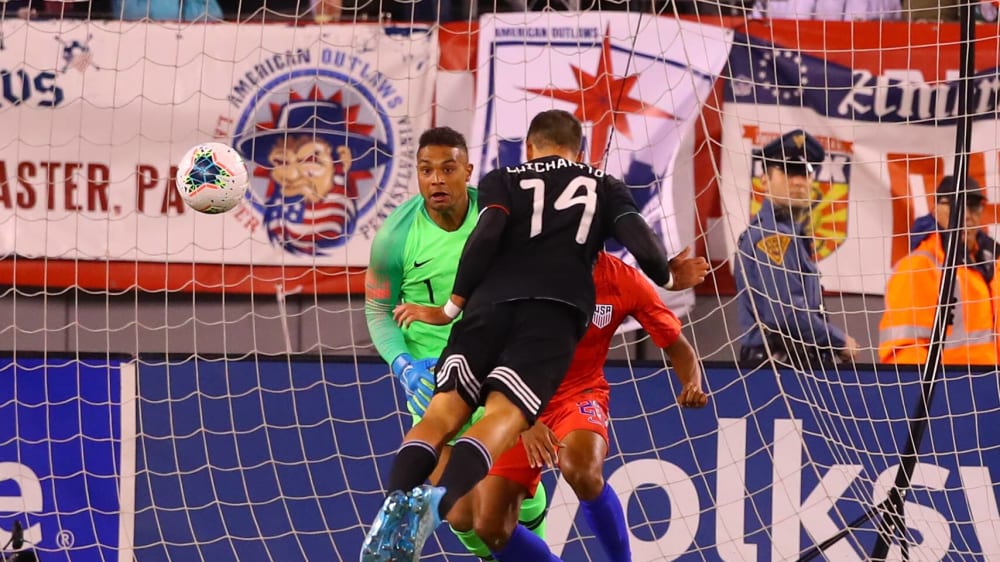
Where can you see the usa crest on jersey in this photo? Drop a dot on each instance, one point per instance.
(602, 315)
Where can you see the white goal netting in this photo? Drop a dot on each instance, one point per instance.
(178, 386)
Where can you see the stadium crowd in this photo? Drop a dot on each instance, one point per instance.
(324, 11)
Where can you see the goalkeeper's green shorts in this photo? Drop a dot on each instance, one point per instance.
(476, 416)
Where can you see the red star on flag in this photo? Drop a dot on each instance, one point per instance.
(603, 100)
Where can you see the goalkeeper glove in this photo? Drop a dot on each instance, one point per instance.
(417, 379)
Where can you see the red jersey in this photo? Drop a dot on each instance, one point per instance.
(622, 291)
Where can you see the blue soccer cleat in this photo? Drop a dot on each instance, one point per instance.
(403, 525)
(423, 519)
(382, 541)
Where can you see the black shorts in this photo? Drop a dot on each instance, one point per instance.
(521, 348)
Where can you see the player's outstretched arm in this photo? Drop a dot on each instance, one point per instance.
(687, 270)
(541, 445)
(664, 328)
(685, 362)
(381, 293)
(484, 242)
(681, 272)
(383, 284)
(408, 313)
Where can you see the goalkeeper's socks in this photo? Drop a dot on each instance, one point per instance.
(606, 518)
(533, 512)
(523, 546)
(532, 516)
(470, 462)
(473, 543)
(413, 464)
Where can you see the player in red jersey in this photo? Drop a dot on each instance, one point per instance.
(572, 430)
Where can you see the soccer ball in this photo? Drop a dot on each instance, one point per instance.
(212, 178)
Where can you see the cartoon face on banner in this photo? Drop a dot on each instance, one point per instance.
(830, 190)
(318, 147)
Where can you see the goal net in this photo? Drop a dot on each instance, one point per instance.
(182, 386)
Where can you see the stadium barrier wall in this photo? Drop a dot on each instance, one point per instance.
(267, 459)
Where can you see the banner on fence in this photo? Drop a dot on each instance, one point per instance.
(636, 84)
(326, 118)
(780, 460)
(886, 113)
(67, 438)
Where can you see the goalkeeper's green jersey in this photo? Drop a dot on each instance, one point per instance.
(413, 260)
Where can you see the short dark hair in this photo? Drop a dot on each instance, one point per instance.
(443, 136)
(556, 127)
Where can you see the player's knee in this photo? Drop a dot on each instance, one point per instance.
(448, 412)
(460, 519)
(442, 428)
(461, 516)
(498, 430)
(584, 476)
(506, 412)
(445, 424)
(494, 529)
(451, 432)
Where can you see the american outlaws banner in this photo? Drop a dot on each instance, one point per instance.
(636, 83)
(325, 116)
(886, 113)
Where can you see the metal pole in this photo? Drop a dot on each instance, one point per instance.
(891, 523)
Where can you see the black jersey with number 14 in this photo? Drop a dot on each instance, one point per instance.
(560, 213)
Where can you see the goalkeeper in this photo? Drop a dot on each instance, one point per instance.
(414, 259)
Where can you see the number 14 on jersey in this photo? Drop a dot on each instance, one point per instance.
(582, 190)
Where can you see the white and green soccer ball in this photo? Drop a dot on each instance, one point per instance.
(212, 178)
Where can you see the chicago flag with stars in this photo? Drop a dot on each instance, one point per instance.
(636, 82)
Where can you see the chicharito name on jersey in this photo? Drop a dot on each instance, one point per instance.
(546, 166)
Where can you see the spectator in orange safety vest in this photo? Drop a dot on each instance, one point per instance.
(911, 296)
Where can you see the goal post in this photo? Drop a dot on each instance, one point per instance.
(179, 386)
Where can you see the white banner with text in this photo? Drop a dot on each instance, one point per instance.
(97, 115)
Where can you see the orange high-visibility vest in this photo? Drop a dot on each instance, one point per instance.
(911, 302)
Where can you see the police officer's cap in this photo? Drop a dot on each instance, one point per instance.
(795, 151)
(948, 188)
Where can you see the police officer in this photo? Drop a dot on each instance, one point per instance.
(779, 299)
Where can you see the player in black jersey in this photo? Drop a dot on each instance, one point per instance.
(525, 283)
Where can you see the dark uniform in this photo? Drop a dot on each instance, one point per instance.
(779, 297)
(527, 274)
